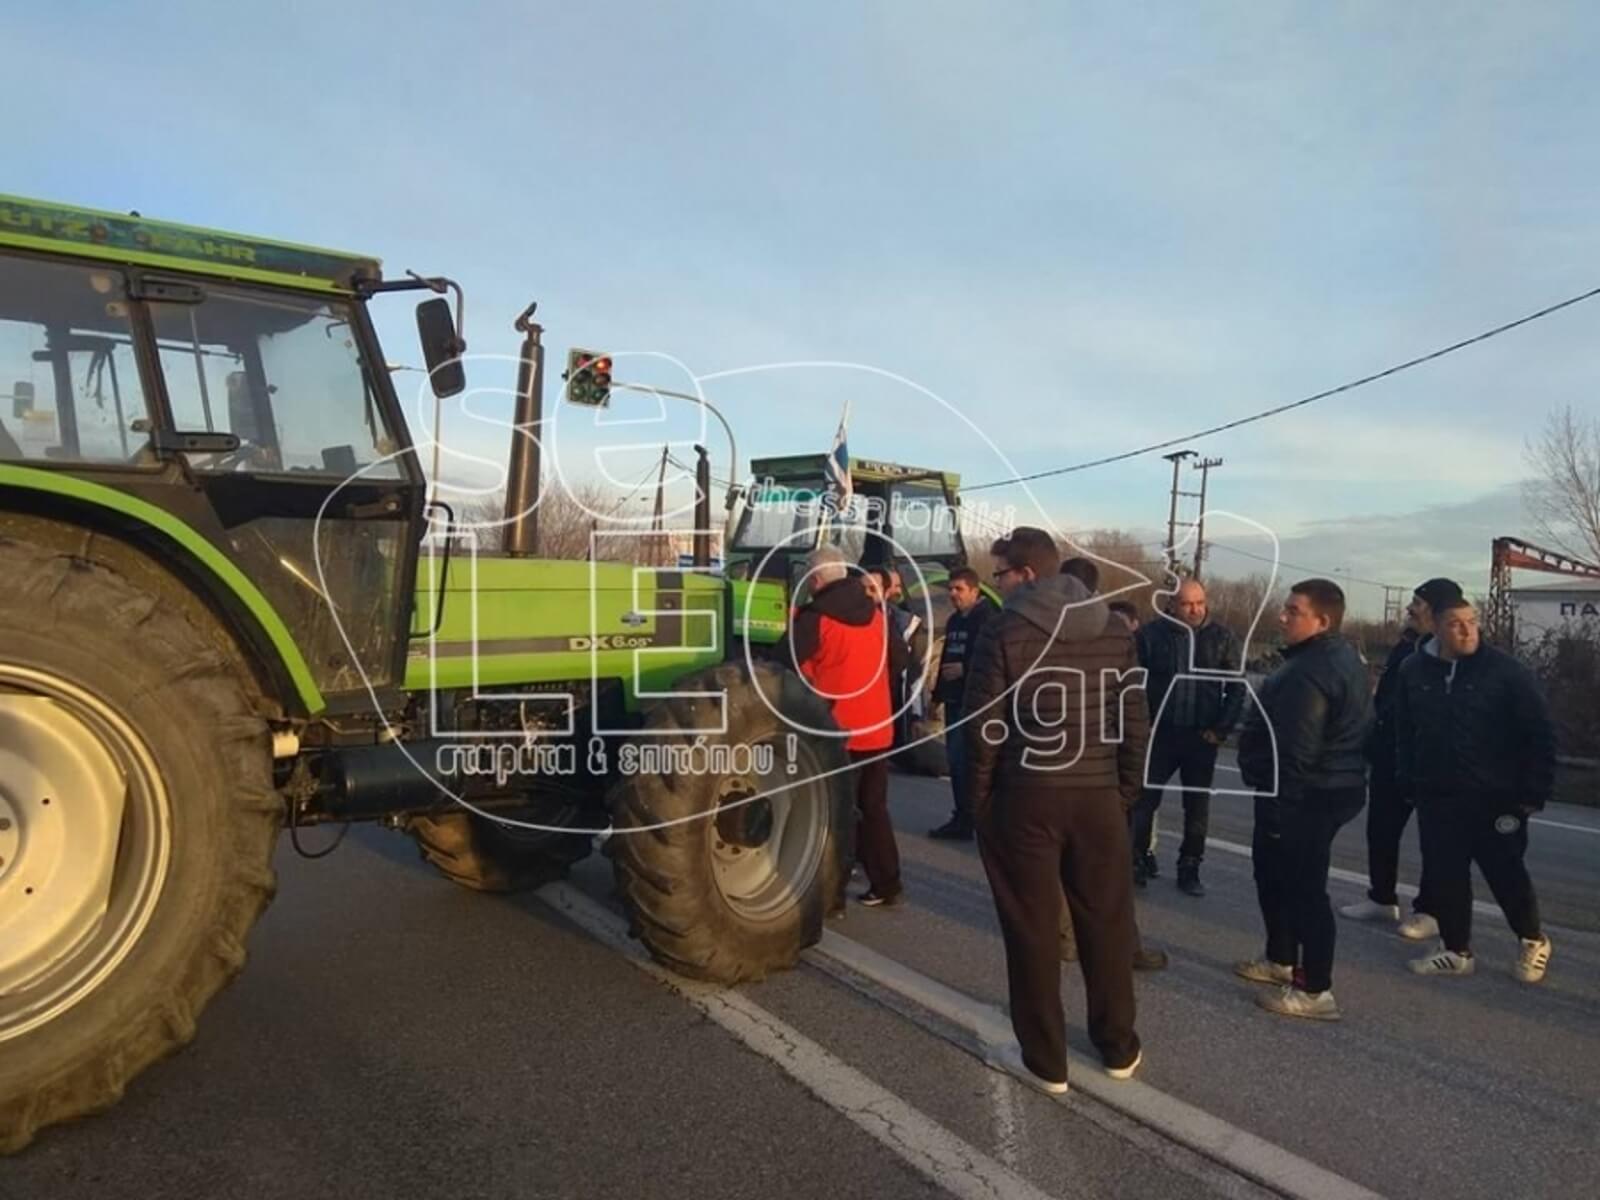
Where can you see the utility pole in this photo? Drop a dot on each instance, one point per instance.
(1394, 604)
(1175, 458)
(1204, 465)
(659, 547)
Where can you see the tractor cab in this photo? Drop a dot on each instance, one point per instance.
(895, 516)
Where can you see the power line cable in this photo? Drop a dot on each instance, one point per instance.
(1300, 566)
(1283, 408)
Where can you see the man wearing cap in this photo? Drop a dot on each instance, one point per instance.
(1388, 809)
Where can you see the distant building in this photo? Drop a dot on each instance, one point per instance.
(1573, 604)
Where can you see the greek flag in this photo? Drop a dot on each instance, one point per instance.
(837, 470)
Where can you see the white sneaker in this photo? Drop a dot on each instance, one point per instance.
(1419, 927)
(1264, 970)
(1292, 1002)
(1370, 910)
(1534, 959)
(1007, 1057)
(1127, 1071)
(1445, 962)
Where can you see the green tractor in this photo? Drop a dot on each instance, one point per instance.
(900, 516)
(229, 607)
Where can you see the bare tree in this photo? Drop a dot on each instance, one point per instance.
(567, 518)
(1563, 497)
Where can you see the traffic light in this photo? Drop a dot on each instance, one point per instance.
(588, 378)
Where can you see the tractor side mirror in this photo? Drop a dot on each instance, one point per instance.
(21, 398)
(441, 347)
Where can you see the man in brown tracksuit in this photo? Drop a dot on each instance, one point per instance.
(1059, 728)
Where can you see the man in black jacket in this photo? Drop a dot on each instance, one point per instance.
(1388, 808)
(972, 609)
(1192, 717)
(1476, 753)
(1056, 732)
(1302, 753)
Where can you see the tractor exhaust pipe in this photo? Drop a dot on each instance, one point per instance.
(521, 534)
(702, 508)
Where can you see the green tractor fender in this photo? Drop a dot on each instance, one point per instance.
(164, 553)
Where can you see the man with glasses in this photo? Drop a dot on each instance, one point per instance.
(1056, 734)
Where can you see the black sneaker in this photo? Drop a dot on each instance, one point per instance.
(870, 899)
(1140, 875)
(1189, 877)
(1152, 870)
(953, 830)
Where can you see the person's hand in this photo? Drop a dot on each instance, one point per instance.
(1212, 738)
(952, 671)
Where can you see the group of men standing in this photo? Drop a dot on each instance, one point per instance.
(1060, 747)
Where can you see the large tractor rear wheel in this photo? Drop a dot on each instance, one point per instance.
(729, 876)
(137, 824)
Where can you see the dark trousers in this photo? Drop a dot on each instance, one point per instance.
(1457, 833)
(1069, 939)
(1194, 760)
(955, 750)
(1290, 850)
(1036, 845)
(1387, 815)
(875, 844)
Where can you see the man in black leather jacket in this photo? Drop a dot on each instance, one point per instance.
(1193, 715)
(1476, 753)
(1304, 759)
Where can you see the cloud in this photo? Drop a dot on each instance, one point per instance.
(1397, 548)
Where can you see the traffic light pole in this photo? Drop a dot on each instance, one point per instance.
(733, 449)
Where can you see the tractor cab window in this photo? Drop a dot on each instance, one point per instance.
(69, 384)
(283, 374)
(923, 521)
(778, 515)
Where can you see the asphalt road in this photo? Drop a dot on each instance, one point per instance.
(394, 1036)
(1563, 850)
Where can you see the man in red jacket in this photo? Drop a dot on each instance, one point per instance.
(842, 646)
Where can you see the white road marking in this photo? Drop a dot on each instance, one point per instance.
(1007, 1117)
(1562, 825)
(1248, 1155)
(941, 1156)
(1339, 873)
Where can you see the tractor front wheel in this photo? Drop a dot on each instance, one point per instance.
(137, 824)
(728, 874)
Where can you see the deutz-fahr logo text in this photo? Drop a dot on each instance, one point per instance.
(612, 641)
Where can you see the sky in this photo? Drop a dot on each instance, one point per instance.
(1041, 233)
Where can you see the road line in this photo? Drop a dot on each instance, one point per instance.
(930, 1148)
(1562, 825)
(1339, 873)
(1242, 1152)
(1007, 1117)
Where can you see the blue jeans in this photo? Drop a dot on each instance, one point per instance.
(955, 749)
